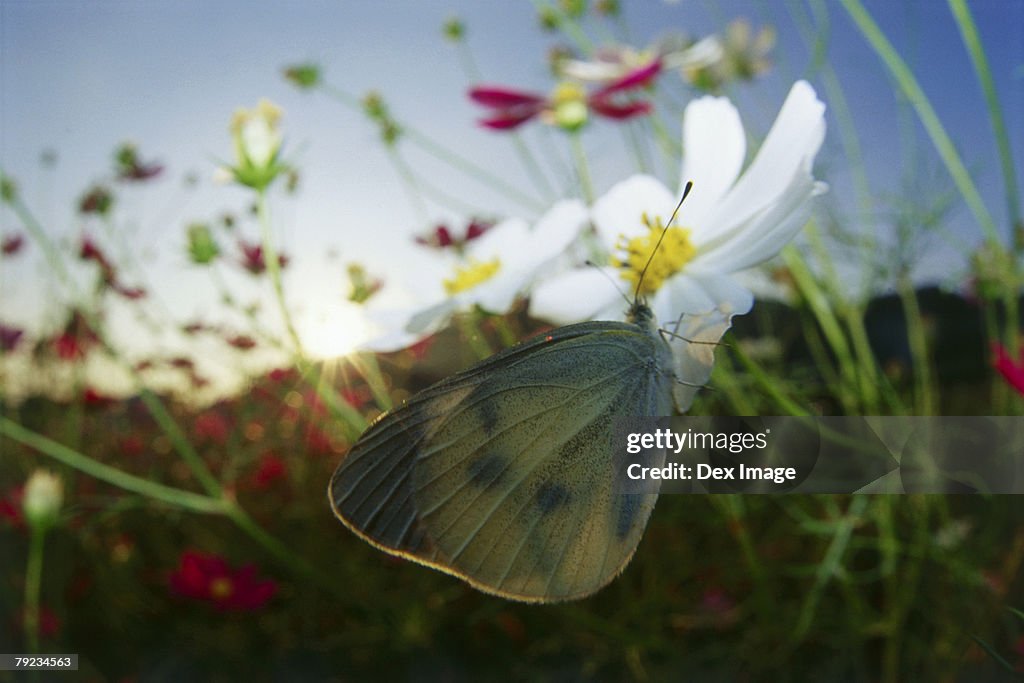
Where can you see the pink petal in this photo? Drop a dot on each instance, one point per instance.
(619, 112)
(637, 78)
(508, 120)
(503, 98)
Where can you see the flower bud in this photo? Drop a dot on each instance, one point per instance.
(42, 499)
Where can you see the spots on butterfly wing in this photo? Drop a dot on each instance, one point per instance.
(550, 497)
(487, 471)
(629, 506)
(488, 413)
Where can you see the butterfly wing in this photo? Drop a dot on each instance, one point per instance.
(502, 474)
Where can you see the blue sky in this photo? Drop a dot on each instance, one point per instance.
(78, 77)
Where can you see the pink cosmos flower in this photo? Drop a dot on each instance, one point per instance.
(12, 244)
(209, 578)
(252, 257)
(1010, 369)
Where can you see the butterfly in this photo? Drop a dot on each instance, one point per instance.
(502, 474)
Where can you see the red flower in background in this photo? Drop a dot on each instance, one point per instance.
(211, 426)
(209, 578)
(10, 507)
(75, 339)
(1012, 370)
(49, 622)
(9, 337)
(92, 397)
(270, 470)
(12, 244)
(252, 257)
(242, 342)
(441, 236)
(130, 167)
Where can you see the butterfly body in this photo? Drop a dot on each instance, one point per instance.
(502, 474)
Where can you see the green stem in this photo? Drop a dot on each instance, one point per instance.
(180, 441)
(915, 95)
(281, 552)
(33, 583)
(819, 305)
(273, 265)
(582, 168)
(367, 366)
(830, 566)
(129, 482)
(469, 324)
(917, 339)
(969, 32)
(766, 382)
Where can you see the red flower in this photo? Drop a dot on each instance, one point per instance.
(9, 337)
(130, 167)
(209, 578)
(441, 237)
(49, 623)
(211, 426)
(97, 200)
(252, 257)
(133, 445)
(242, 342)
(12, 244)
(270, 469)
(75, 340)
(95, 399)
(10, 507)
(1012, 371)
(131, 293)
(282, 375)
(511, 108)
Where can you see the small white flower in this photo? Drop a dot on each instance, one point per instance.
(257, 139)
(42, 498)
(617, 61)
(729, 223)
(491, 272)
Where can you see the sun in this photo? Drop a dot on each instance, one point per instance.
(333, 330)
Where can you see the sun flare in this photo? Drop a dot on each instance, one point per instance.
(334, 330)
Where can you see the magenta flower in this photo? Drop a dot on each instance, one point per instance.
(441, 236)
(209, 578)
(1012, 370)
(252, 257)
(569, 105)
(12, 244)
(9, 337)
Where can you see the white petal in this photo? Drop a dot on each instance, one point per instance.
(620, 210)
(557, 228)
(698, 295)
(579, 294)
(504, 240)
(499, 293)
(693, 353)
(788, 151)
(714, 146)
(764, 234)
(430, 319)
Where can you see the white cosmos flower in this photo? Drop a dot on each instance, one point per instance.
(729, 223)
(492, 272)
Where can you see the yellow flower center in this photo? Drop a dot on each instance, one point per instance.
(676, 251)
(569, 106)
(470, 275)
(221, 588)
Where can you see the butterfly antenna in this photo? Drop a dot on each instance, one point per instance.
(610, 279)
(640, 281)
